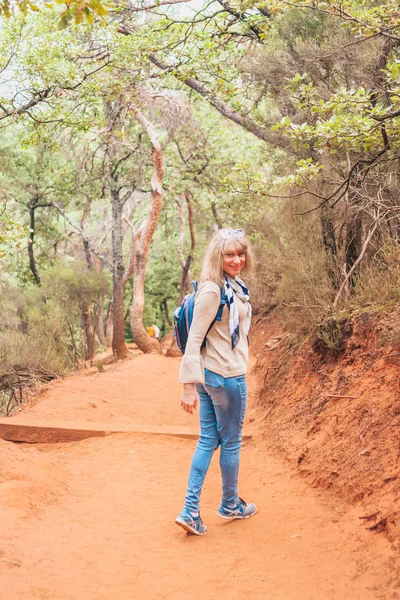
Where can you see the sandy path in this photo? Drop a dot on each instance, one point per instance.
(94, 520)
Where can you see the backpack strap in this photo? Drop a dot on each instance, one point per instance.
(218, 316)
(223, 302)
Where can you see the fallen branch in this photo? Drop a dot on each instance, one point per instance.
(11, 562)
(389, 479)
(379, 526)
(371, 517)
(340, 396)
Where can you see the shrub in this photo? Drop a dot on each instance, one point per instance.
(77, 290)
(44, 331)
(379, 281)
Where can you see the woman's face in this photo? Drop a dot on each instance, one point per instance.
(233, 262)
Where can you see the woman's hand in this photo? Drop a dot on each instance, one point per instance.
(189, 398)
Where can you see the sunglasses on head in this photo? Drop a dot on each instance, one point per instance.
(226, 233)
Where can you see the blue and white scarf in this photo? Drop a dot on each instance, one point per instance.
(232, 287)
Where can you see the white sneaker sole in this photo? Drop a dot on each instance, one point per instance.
(237, 517)
(187, 527)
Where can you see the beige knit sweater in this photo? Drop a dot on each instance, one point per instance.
(217, 355)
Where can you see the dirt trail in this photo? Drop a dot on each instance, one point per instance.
(93, 520)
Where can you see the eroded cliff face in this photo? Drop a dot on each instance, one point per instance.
(335, 413)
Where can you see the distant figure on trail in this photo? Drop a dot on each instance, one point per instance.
(150, 331)
(156, 332)
(214, 372)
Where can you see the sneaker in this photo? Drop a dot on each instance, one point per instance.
(190, 523)
(240, 511)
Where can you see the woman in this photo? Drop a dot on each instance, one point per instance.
(217, 372)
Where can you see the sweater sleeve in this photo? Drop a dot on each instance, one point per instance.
(206, 306)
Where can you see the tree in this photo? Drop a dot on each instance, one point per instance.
(144, 237)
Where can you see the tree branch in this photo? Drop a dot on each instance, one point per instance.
(356, 263)
(133, 9)
(82, 233)
(243, 120)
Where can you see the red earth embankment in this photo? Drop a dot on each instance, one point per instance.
(335, 415)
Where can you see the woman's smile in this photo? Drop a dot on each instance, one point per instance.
(233, 262)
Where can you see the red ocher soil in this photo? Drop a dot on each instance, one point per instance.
(94, 519)
(337, 418)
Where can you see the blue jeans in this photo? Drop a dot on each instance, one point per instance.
(222, 409)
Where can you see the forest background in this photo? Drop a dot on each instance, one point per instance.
(131, 131)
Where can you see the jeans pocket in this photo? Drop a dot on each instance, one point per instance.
(213, 380)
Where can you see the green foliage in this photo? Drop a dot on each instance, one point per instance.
(75, 288)
(13, 233)
(74, 11)
(40, 328)
(162, 279)
(293, 266)
(33, 331)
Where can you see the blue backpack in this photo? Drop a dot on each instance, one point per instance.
(183, 317)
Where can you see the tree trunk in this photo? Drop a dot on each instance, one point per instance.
(88, 330)
(353, 245)
(329, 242)
(100, 323)
(164, 308)
(119, 347)
(32, 263)
(217, 218)
(109, 325)
(140, 336)
(143, 241)
(88, 254)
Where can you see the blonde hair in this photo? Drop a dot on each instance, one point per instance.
(212, 265)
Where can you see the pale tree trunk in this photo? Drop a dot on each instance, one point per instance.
(87, 326)
(86, 244)
(119, 347)
(143, 241)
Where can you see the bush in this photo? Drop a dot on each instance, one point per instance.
(304, 293)
(33, 344)
(379, 281)
(77, 290)
(44, 331)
